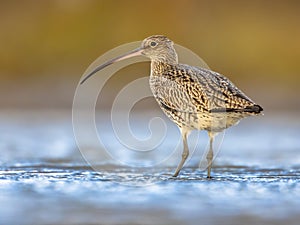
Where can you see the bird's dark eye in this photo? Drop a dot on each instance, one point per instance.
(153, 43)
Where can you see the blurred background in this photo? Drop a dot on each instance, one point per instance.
(47, 45)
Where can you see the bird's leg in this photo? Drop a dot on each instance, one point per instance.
(185, 153)
(210, 154)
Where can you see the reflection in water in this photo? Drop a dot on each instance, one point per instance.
(44, 178)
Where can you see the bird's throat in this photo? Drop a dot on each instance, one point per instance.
(158, 68)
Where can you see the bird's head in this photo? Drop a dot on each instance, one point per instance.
(157, 48)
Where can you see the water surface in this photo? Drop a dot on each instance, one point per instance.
(45, 180)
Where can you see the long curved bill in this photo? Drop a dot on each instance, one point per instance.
(127, 55)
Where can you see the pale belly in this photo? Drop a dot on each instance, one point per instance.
(215, 122)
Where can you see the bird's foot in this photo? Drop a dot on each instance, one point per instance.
(175, 174)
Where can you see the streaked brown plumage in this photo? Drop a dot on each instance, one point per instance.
(192, 97)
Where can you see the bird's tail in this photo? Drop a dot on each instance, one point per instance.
(256, 109)
(253, 109)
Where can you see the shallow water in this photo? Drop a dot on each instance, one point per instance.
(44, 179)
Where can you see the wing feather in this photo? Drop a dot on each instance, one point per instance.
(189, 89)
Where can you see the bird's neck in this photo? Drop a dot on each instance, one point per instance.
(158, 67)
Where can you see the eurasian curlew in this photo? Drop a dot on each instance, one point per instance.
(192, 97)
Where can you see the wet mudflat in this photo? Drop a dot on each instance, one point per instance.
(44, 179)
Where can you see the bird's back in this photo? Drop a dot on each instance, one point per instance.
(199, 98)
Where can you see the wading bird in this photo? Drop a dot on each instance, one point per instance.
(194, 98)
